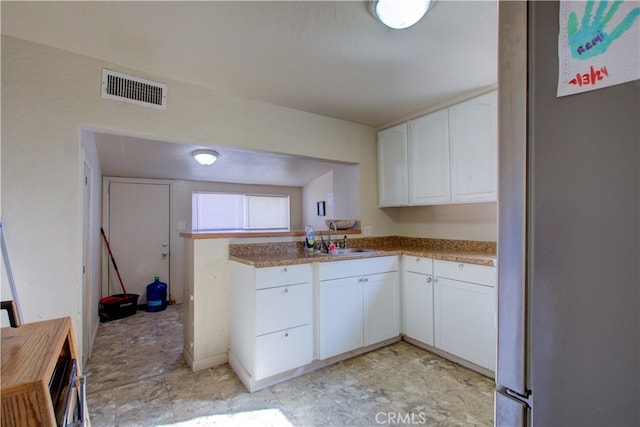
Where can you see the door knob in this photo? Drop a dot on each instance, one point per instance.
(165, 253)
(164, 244)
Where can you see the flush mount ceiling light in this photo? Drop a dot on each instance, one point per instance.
(205, 157)
(399, 14)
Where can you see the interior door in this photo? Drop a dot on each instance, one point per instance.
(86, 295)
(139, 235)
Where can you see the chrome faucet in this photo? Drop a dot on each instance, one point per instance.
(335, 228)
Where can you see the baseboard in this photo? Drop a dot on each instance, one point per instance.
(94, 335)
(208, 362)
(253, 385)
(452, 357)
(187, 356)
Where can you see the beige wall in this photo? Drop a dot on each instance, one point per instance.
(471, 221)
(49, 95)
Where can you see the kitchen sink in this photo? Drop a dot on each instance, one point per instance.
(345, 251)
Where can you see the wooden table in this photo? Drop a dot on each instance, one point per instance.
(39, 361)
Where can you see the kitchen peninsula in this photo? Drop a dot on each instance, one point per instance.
(208, 283)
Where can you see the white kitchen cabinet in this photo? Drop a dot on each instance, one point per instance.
(271, 319)
(465, 311)
(359, 304)
(284, 350)
(381, 301)
(448, 156)
(417, 295)
(341, 316)
(393, 175)
(474, 149)
(429, 159)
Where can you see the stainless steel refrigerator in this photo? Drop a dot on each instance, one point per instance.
(568, 237)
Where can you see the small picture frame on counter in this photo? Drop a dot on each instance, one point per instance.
(321, 211)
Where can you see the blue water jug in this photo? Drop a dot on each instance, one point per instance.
(156, 295)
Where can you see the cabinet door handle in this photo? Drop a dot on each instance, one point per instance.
(285, 269)
(286, 290)
(461, 266)
(429, 279)
(286, 334)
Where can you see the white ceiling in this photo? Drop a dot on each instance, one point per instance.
(123, 156)
(326, 57)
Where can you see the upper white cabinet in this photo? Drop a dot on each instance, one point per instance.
(393, 189)
(448, 156)
(429, 159)
(474, 149)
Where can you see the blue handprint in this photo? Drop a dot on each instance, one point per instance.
(591, 40)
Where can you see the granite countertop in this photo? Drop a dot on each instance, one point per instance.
(289, 253)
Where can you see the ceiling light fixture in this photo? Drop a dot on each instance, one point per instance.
(399, 14)
(205, 157)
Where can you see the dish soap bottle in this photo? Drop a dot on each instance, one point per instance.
(310, 240)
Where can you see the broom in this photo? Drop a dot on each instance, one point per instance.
(113, 298)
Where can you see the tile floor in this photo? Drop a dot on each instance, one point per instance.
(137, 377)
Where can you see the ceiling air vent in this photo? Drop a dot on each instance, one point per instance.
(121, 87)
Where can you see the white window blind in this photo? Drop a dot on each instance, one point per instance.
(268, 212)
(239, 212)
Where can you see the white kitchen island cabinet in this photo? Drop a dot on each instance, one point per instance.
(465, 311)
(417, 296)
(359, 304)
(271, 324)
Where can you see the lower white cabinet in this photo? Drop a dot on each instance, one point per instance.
(381, 302)
(464, 320)
(465, 311)
(359, 304)
(417, 295)
(451, 306)
(283, 350)
(341, 316)
(271, 318)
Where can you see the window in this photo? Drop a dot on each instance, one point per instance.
(239, 212)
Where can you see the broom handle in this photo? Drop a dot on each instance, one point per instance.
(113, 260)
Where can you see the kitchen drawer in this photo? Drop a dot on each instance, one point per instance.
(284, 350)
(285, 275)
(416, 264)
(357, 267)
(283, 307)
(481, 274)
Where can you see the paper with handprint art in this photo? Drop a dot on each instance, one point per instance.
(598, 44)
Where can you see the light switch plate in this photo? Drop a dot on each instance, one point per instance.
(182, 225)
(330, 199)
